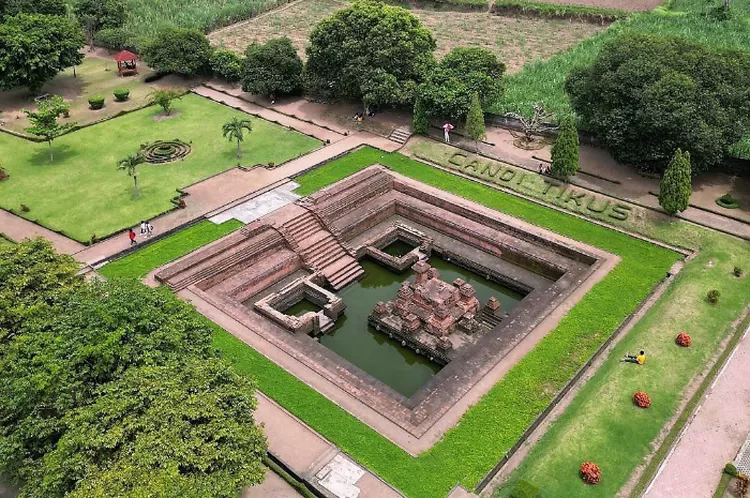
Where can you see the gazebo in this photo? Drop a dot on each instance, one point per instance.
(126, 63)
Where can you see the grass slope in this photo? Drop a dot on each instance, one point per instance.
(139, 263)
(82, 193)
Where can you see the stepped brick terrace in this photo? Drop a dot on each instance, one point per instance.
(314, 248)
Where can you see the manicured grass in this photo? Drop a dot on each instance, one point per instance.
(138, 264)
(82, 193)
(5, 240)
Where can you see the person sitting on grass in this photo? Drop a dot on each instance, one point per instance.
(640, 359)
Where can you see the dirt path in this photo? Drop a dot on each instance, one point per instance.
(714, 435)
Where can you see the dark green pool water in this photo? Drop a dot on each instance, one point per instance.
(383, 358)
(398, 248)
(302, 307)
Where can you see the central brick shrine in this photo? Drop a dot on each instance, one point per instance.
(434, 315)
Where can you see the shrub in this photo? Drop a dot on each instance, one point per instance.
(475, 128)
(121, 94)
(25, 208)
(227, 64)
(181, 203)
(743, 484)
(641, 399)
(646, 96)
(3, 174)
(728, 201)
(420, 122)
(730, 469)
(524, 489)
(590, 473)
(737, 272)
(96, 102)
(683, 340)
(186, 52)
(565, 151)
(713, 296)
(272, 68)
(94, 239)
(676, 184)
(164, 98)
(117, 39)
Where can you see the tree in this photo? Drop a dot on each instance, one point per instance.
(646, 96)
(676, 183)
(449, 87)
(532, 128)
(129, 165)
(44, 122)
(272, 68)
(34, 48)
(420, 121)
(165, 98)
(565, 151)
(182, 429)
(186, 52)
(234, 129)
(30, 273)
(10, 8)
(475, 121)
(369, 51)
(95, 15)
(114, 389)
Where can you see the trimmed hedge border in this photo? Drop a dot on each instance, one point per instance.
(443, 5)
(522, 8)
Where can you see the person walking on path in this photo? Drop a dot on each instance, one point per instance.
(640, 359)
(447, 128)
(131, 236)
(149, 229)
(144, 228)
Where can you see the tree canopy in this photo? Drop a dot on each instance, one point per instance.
(475, 128)
(449, 87)
(272, 68)
(95, 15)
(646, 96)
(113, 389)
(676, 184)
(369, 51)
(35, 47)
(565, 150)
(186, 52)
(50, 7)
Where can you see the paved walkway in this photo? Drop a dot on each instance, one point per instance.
(714, 435)
(18, 229)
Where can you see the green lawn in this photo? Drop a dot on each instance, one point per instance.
(82, 193)
(5, 241)
(470, 449)
(139, 263)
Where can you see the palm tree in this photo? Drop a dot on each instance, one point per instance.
(235, 130)
(129, 164)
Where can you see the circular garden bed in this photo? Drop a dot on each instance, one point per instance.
(161, 152)
(728, 202)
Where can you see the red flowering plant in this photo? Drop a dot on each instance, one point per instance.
(641, 399)
(590, 473)
(683, 340)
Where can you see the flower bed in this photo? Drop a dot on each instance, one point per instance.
(590, 473)
(641, 399)
(683, 340)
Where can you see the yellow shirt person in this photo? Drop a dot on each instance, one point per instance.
(640, 359)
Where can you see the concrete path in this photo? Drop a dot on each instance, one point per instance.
(18, 229)
(714, 434)
(273, 487)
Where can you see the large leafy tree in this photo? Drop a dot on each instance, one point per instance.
(186, 52)
(235, 129)
(272, 68)
(50, 7)
(565, 150)
(676, 184)
(449, 87)
(369, 51)
(95, 15)
(30, 273)
(182, 429)
(646, 96)
(34, 48)
(44, 121)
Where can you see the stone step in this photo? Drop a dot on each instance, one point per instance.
(344, 280)
(303, 221)
(400, 135)
(301, 234)
(321, 244)
(325, 259)
(343, 272)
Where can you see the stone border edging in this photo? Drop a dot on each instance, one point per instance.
(286, 468)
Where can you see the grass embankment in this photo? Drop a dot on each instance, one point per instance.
(139, 263)
(82, 193)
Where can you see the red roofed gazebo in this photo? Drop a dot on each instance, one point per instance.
(126, 63)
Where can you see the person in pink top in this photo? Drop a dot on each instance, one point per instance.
(447, 128)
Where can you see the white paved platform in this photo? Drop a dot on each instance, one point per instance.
(259, 206)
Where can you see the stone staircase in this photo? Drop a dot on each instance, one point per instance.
(490, 318)
(400, 135)
(321, 251)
